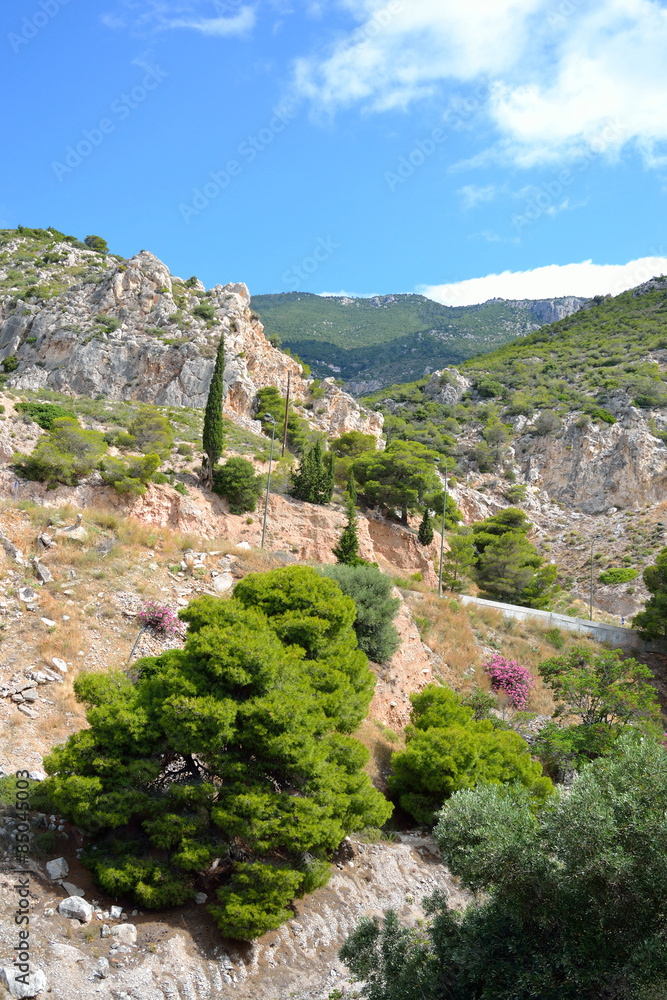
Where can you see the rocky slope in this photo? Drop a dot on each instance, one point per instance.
(83, 323)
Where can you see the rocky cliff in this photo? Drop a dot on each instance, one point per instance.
(89, 324)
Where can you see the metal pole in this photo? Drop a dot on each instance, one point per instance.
(442, 531)
(591, 604)
(289, 379)
(268, 482)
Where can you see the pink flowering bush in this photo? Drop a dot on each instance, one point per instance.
(511, 678)
(160, 618)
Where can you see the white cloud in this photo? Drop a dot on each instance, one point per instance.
(585, 279)
(557, 84)
(474, 195)
(232, 16)
(220, 27)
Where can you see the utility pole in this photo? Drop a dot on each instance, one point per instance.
(442, 531)
(591, 603)
(289, 378)
(267, 416)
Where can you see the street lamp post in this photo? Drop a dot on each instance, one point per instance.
(267, 416)
(442, 532)
(590, 610)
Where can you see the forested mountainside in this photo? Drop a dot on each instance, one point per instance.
(370, 343)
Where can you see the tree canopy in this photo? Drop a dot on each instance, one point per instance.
(235, 748)
(508, 567)
(572, 898)
(401, 477)
(651, 623)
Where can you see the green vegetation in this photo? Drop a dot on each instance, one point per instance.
(65, 455)
(375, 608)
(313, 481)
(618, 574)
(44, 413)
(651, 623)
(152, 432)
(391, 338)
(401, 477)
(347, 549)
(213, 437)
(130, 475)
(236, 480)
(569, 901)
(236, 747)
(577, 363)
(96, 243)
(508, 567)
(459, 558)
(298, 431)
(447, 750)
(425, 533)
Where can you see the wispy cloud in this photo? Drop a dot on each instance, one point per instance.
(584, 279)
(232, 17)
(553, 89)
(474, 195)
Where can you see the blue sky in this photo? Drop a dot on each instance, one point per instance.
(365, 146)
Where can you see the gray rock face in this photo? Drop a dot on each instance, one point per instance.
(76, 908)
(446, 387)
(131, 330)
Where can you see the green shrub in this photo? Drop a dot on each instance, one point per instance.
(130, 475)
(236, 480)
(313, 481)
(152, 432)
(554, 636)
(241, 737)
(447, 750)
(375, 608)
(205, 310)
(618, 574)
(10, 364)
(565, 905)
(185, 450)
(96, 243)
(65, 455)
(110, 323)
(125, 440)
(44, 413)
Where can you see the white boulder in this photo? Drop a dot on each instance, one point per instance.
(58, 868)
(36, 982)
(76, 908)
(125, 933)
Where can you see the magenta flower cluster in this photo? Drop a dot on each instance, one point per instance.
(511, 678)
(160, 618)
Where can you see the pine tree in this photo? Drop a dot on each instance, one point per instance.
(313, 482)
(425, 533)
(352, 488)
(347, 550)
(214, 432)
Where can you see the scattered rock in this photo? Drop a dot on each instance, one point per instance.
(36, 775)
(102, 968)
(125, 933)
(223, 583)
(42, 571)
(48, 622)
(27, 711)
(66, 952)
(116, 912)
(200, 898)
(106, 931)
(72, 890)
(37, 982)
(58, 868)
(30, 695)
(76, 908)
(244, 546)
(27, 595)
(12, 550)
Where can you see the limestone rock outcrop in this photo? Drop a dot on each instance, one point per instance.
(132, 330)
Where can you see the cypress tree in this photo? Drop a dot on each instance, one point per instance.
(214, 433)
(425, 533)
(314, 479)
(352, 487)
(347, 550)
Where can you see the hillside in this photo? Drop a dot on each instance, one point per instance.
(373, 342)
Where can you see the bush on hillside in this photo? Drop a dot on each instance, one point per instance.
(235, 747)
(651, 623)
(375, 608)
(508, 567)
(447, 750)
(618, 574)
(569, 903)
(313, 481)
(132, 474)
(44, 414)
(65, 455)
(237, 481)
(298, 431)
(152, 432)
